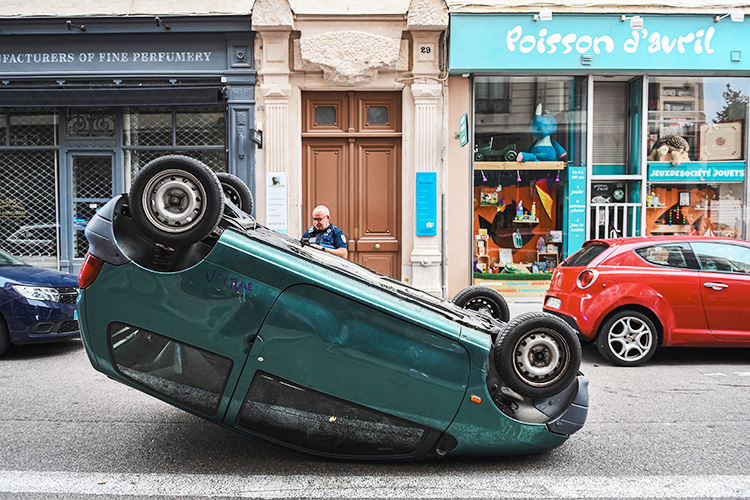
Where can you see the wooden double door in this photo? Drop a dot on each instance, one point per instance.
(352, 164)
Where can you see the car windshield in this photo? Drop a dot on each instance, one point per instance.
(7, 259)
(585, 255)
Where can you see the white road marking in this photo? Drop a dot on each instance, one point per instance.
(484, 485)
(717, 374)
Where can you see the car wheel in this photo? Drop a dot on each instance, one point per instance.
(4, 336)
(176, 200)
(483, 298)
(236, 191)
(537, 354)
(628, 338)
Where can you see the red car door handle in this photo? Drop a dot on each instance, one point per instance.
(715, 286)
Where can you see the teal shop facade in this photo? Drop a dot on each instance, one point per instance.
(86, 102)
(617, 85)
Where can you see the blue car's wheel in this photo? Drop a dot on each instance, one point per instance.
(537, 355)
(236, 191)
(176, 200)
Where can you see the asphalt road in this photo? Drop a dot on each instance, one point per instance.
(675, 428)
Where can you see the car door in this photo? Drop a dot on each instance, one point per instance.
(336, 376)
(725, 288)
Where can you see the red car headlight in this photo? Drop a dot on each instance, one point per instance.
(586, 278)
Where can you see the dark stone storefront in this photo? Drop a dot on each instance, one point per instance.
(85, 103)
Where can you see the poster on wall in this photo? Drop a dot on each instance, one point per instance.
(276, 201)
(426, 209)
(577, 208)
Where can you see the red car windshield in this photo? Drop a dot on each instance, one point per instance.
(585, 255)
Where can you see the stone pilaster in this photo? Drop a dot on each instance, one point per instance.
(425, 257)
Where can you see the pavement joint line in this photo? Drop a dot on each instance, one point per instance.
(482, 485)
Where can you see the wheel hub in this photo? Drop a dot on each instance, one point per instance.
(540, 358)
(174, 201)
(630, 339)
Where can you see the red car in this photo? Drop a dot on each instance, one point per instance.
(632, 295)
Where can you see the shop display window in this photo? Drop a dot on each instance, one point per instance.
(695, 209)
(527, 130)
(708, 114)
(697, 182)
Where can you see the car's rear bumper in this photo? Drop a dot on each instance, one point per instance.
(571, 321)
(574, 417)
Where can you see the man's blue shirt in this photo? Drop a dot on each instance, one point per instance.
(330, 237)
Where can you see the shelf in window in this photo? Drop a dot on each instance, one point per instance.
(519, 165)
(673, 229)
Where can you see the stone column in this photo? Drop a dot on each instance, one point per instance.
(425, 257)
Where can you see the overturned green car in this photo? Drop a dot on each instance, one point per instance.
(184, 296)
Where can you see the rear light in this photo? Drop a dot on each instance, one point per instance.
(586, 278)
(89, 270)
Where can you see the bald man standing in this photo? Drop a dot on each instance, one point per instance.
(324, 235)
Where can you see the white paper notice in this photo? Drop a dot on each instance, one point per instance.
(276, 201)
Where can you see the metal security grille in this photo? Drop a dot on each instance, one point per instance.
(92, 188)
(197, 132)
(37, 214)
(28, 197)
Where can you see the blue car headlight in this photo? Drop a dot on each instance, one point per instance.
(38, 293)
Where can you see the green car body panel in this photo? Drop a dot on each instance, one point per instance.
(248, 309)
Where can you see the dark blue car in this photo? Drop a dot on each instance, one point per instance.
(36, 305)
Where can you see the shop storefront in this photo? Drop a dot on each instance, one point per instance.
(86, 102)
(591, 126)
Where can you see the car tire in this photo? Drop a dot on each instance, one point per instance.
(483, 298)
(236, 191)
(176, 200)
(4, 336)
(628, 338)
(537, 355)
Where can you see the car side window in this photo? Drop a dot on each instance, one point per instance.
(722, 257)
(664, 255)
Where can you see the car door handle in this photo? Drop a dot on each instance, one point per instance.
(715, 286)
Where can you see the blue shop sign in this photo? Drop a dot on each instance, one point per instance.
(426, 209)
(576, 215)
(492, 42)
(695, 172)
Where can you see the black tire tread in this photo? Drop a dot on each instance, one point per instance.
(246, 196)
(505, 367)
(474, 291)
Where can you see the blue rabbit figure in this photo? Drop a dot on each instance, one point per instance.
(545, 148)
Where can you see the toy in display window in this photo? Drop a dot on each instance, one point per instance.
(542, 126)
(516, 202)
(702, 210)
(515, 214)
